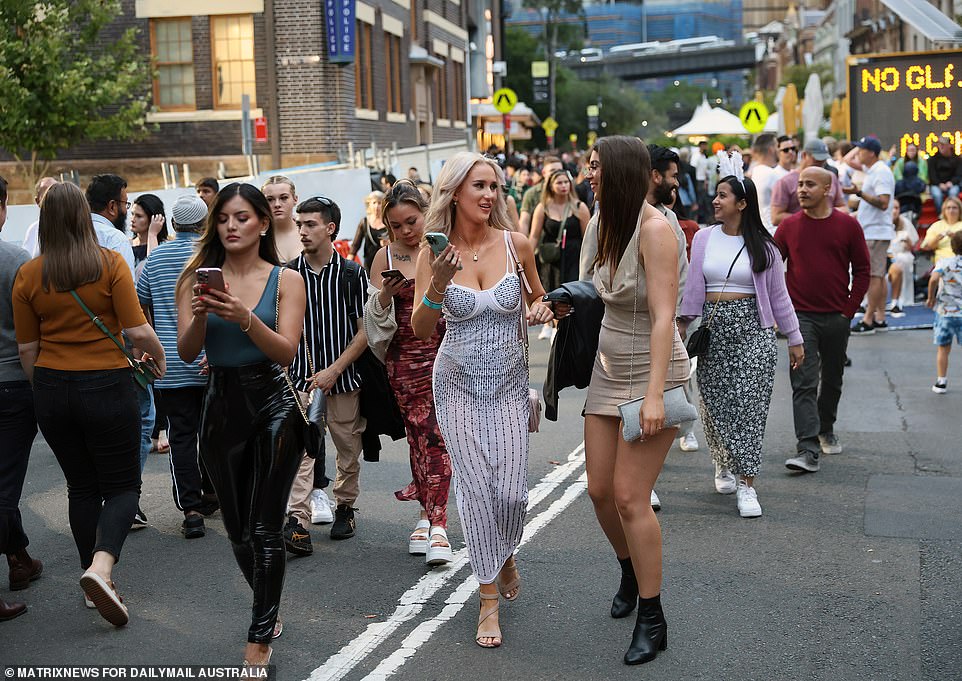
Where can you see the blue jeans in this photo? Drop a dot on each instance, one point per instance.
(147, 415)
(938, 195)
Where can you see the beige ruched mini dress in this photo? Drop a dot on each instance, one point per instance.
(610, 384)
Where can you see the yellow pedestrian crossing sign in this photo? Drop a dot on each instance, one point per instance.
(504, 100)
(549, 125)
(753, 116)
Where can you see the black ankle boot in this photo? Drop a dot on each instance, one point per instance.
(624, 601)
(650, 634)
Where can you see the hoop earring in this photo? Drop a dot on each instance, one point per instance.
(263, 233)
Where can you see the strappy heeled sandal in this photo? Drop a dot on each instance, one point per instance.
(418, 542)
(439, 550)
(505, 587)
(485, 629)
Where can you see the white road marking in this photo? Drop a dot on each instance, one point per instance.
(454, 604)
(413, 600)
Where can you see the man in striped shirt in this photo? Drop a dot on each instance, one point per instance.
(335, 338)
(180, 392)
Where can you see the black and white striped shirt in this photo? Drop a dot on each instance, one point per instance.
(331, 321)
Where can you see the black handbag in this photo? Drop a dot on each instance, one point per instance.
(550, 251)
(700, 340)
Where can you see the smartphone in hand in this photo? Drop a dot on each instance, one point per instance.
(211, 278)
(438, 242)
(393, 275)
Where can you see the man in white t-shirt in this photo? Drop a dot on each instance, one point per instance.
(875, 216)
(762, 173)
(31, 240)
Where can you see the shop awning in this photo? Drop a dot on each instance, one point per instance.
(927, 20)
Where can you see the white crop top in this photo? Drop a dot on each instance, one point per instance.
(719, 253)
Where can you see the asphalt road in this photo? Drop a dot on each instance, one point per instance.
(851, 573)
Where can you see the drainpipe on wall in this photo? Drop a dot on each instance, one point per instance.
(273, 110)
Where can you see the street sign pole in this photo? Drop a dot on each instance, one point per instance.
(506, 121)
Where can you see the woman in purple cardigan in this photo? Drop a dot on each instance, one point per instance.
(736, 284)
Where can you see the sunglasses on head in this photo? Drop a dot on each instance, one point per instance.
(324, 201)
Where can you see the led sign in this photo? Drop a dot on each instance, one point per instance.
(905, 98)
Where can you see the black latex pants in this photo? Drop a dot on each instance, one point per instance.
(251, 439)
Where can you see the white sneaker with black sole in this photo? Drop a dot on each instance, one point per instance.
(806, 462)
(322, 511)
(655, 501)
(747, 500)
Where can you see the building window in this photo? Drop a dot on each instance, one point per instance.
(392, 62)
(172, 50)
(459, 110)
(363, 80)
(441, 92)
(232, 38)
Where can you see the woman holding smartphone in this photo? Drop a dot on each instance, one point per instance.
(640, 354)
(481, 371)
(410, 363)
(251, 429)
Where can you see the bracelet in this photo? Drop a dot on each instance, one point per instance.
(430, 303)
(250, 320)
(436, 290)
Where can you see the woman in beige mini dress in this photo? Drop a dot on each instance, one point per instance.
(640, 354)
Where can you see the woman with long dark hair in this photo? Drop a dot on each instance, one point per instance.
(736, 283)
(84, 393)
(410, 363)
(148, 222)
(251, 429)
(640, 354)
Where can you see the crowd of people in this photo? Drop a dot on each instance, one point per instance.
(217, 334)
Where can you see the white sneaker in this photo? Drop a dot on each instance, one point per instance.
(747, 498)
(545, 332)
(688, 443)
(655, 501)
(321, 513)
(724, 480)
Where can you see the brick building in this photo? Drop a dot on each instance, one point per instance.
(408, 82)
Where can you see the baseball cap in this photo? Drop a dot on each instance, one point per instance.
(870, 143)
(189, 210)
(816, 149)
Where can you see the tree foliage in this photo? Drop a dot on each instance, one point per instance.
(63, 81)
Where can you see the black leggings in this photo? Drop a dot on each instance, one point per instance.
(251, 439)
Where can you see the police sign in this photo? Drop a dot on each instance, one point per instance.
(907, 97)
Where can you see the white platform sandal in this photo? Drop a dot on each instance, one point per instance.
(437, 553)
(418, 542)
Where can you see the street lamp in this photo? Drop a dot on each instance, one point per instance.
(549, 50)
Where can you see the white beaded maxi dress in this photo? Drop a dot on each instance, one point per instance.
(481, 396)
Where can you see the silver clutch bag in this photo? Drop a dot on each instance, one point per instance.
(677, 410)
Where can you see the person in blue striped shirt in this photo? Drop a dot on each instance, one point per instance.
(180, 392)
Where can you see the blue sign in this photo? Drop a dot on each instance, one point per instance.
(339, 18)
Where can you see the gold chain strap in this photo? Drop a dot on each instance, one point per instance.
(290, 384)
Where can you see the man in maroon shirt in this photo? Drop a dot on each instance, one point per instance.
(820, 245)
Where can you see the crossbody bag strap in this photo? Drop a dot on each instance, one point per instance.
(517, 263)
(561, 228)
(100, 325)
(725, 285)
(287, 377)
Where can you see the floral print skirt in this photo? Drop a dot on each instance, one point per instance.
(735, 381)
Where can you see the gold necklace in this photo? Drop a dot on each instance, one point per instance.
(471, 248)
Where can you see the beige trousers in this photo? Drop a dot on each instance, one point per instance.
(345, 426)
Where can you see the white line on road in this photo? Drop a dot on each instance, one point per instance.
(454, 604)
(413, 600)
